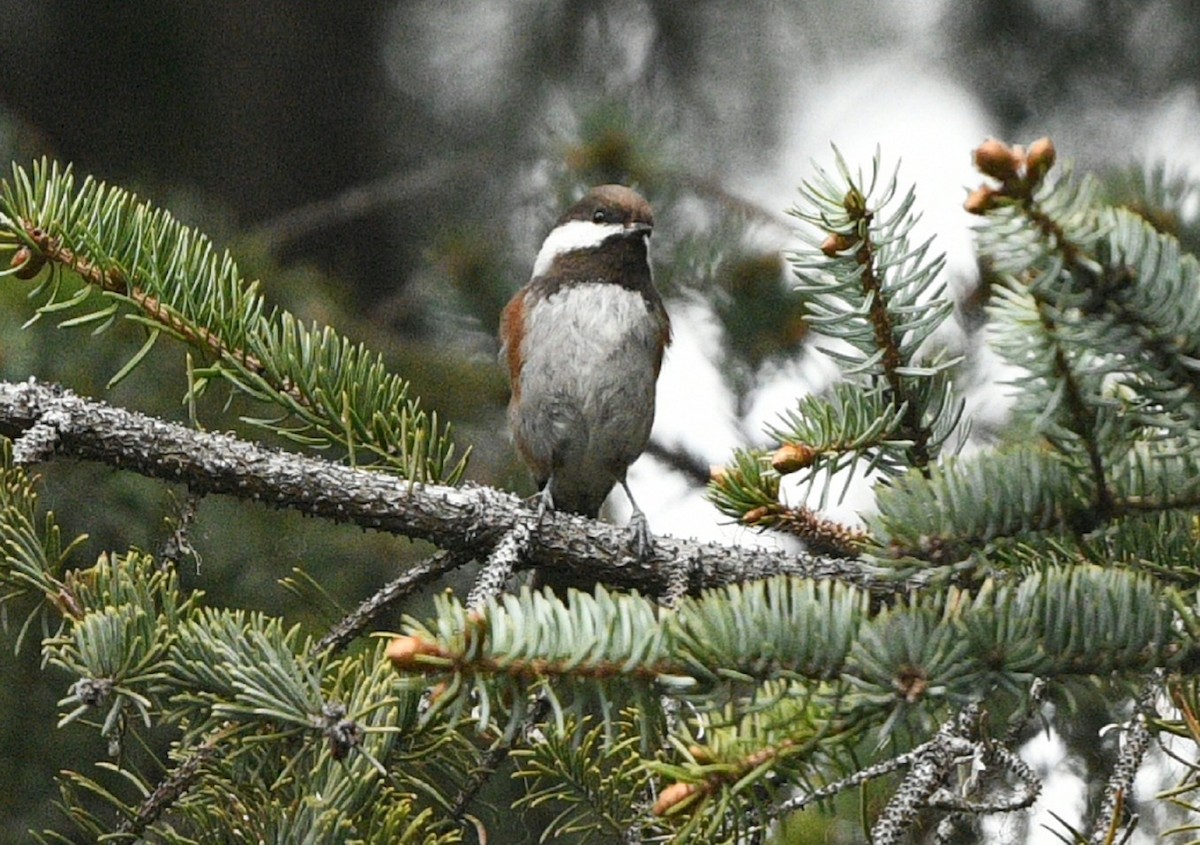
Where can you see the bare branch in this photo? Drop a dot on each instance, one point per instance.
(348, 628)
(500, 565)
(953, 741)
(1135, 743)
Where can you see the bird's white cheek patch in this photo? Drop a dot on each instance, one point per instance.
(570, 236)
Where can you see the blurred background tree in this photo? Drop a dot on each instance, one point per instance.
(389, 168)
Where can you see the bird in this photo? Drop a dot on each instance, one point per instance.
(583, 344)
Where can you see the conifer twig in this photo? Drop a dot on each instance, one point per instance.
(1135, 744)
(353, 624)
(114, 281)
(500, 564)
(1021, 178)
(888, 343)
(946, 740)
(177, 783)
(822, 536)
(953, 740)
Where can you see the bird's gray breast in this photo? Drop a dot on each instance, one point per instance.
(590, 354)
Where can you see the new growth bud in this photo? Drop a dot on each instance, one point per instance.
(26, 263)
(791, 457)
(835, 243)
(1019, 171)
(981, 200)
(1040, 159)
(404, 651)
(997, 159)
(673, 795)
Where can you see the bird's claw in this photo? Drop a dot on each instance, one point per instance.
(544, 502)
(641, 541)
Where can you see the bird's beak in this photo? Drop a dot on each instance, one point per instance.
(638, 229)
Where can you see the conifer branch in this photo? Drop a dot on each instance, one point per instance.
(749, 491)
(726, 773)
(331, 390)
(865, 245)
(886, 341)
(994, 757)
(863, 284)
(1021, 177)
(115, 280)
(501, 563)
(821, 536)
(809, 635)
(1083, 419)
(1088, 283)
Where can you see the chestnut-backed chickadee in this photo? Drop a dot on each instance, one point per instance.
(583, 343)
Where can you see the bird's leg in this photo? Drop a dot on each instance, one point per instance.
(545, 500)
(639, 528)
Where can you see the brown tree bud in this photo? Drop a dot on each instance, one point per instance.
(29, 262)
(855, 203)
(701, 754)
(981, 200)
(791, 457)
(998, 160)
(757, 514)
(403, 651)
(672, 795)
(835, 243)
(1040, 159)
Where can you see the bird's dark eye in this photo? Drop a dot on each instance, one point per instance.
(599, 216)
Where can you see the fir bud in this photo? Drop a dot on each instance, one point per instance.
(701, 754)
(757, 514)
(981, 200)
(673, 795)
(791, 457)
(855, 204)
(911, 682)
(1040, 159)
(403, 651)
(998, 160)
(836, 242)
(27, 263)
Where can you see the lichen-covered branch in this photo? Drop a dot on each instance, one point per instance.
(461, 519)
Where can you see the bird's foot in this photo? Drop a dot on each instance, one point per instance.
(544, 502)
(641, 541)
(640, 538)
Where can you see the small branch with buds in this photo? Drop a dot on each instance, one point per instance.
(886, 340)
(344, 632)
(1020, 174)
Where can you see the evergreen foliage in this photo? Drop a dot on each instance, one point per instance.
(140, 263)
(1061, 560)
